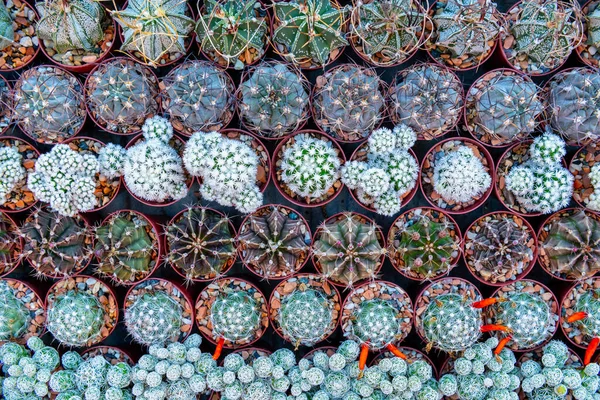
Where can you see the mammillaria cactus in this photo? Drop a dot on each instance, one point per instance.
(233, 32)
(56, 245)
(11, 170)
(14, 315)
(235, 317)
(155, 29)
(348, 102)
(348, 248)
(309, 33)
(201, 243)
(197, 96)
(7, 32)
(581, 312)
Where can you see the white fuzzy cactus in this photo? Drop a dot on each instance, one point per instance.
(11, 170)
(594, 199)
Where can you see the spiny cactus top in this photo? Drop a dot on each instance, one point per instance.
(7, 32)
(153, 29)
(309, 32)
(198, 97)
(14, 315)
(233, 32)
(274, 242)
(10, 246)
(235, 316)
(55, 245)
(572, 247)
(71, 24)
(348, 249)
(587, 306)
(348, 103)
(274, 100)
(126, 247)
(48, 103)
(201, 243)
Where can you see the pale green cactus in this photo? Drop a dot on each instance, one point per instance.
(14, 315)
(235, 316)
(7, 33)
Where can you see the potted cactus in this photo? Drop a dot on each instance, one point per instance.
(81, 311)
(462, 33)
(590, 38)
(348, 248)
(455, 175)
(539, 35)
(17, 159)
(56, 246)
(155, 31)
(128, 247)
(571, 102)
(23, 313)
(19, 41)
(75, 34)
(200, 244)
(568, 246)
(273, 100)
(120, 95)
(306, 168)
(197, 96)
(387, 33)
(579, 312)
(500, 247)
(48, 104)
(382, 173)
(274, 242)
(11, 245)
(585, 169)
(304, 309)
(348, 102)
(309, 33)
(428, 98)
(424, 244)
(157, 312)
(233, 33)
(502, 107)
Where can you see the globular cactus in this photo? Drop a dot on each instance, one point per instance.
(201, 243)
(233, 32)
(348, 249)
(125, 250)
(153, 29)
(427, 98)
(11, 171)
(349, 103)
(586, 315)
(197, 96)
(274, 243)
(309, 32)
(274, 100)
(48, 103)
(56, 245)
(121, 94)
(7, 32)
(235, 316)
(377, 322)
(14, 314)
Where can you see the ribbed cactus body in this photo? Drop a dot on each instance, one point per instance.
(76, 318)
(7, 32)
(154, 318)
(305, 316)
(235, 316)
(14, 315)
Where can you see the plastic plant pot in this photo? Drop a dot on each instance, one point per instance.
(411, 353)
(32, 54)
(111, 354)
(21, 198)
(577, 334)
(581, 164)
(584, 52)
(35, 305)
(11, 244)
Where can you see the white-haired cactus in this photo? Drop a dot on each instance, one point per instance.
(11, 171)
(235, 316)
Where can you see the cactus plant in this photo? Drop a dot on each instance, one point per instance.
(348, 102)
(121, 94)
(126, 247)
(55, 245)
(593, 26)
(48, 104)
(14, 315)
(348, 248)
(273, 100)
(7, 32)
(201, 243)
(233, 32)
(11, 171)
(580, 312)
(197, 96)
(10, 245)
(155, 30)
(235, 316)
(309, 33)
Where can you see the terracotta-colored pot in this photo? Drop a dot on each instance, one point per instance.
(565, 326)
(16, 245)
(37, 325)
(28, 164)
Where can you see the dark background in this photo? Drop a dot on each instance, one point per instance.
(315, 216)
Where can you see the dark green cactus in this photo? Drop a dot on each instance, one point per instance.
(7, 32)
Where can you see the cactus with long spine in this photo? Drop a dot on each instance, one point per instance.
(9, 245)
(235, 316)
(7, 32)
(14, 315)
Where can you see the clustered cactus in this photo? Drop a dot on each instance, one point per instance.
(14, 315)
(389, 173)
(542, 184)
(594, 198)
(11, 171)
(228, 169)
(235, 316)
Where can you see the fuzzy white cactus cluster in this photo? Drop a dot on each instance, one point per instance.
(11, 170)
(459, 176)
(228, 169)
(594, 199)
(389, 172)
(151, 168)
(542, 183)
(65, 179)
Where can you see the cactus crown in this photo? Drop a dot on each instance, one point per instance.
(201, 243)
(235, 316)
(308, 31)
(14, 315)
(376, 321)
(154, 318)
(589, 303)
(56, 245)
(7, 32)
(124, 248)
(348, 249)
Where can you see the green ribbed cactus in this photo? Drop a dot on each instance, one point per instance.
(76, 318)
(71, 24)
(305, 316)
(56, 245)
(235, 316)
(233, 32)
(124, 249)
(154, 28)
(376, 321)
(7, 32)
(14, 315)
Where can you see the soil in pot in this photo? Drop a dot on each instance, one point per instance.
(24, 311)
(26, 43)
(111, 354)
(580, 167)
